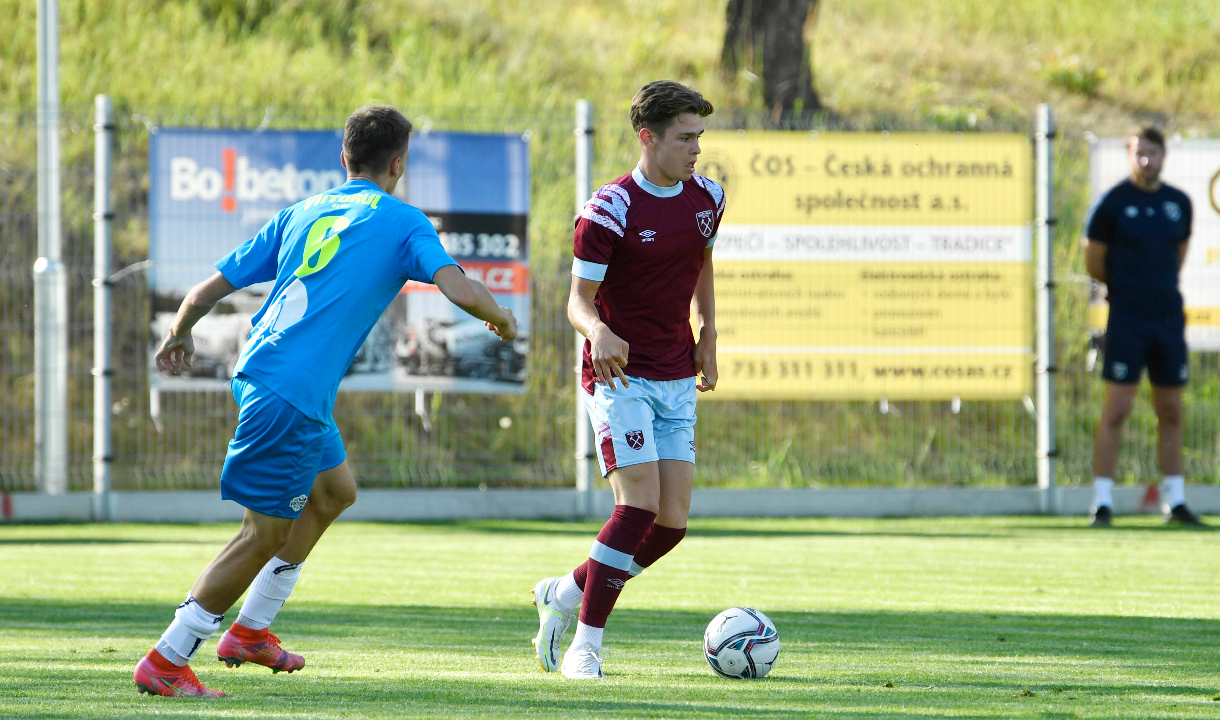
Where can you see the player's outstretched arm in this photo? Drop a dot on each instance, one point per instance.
(176, 349)
(473, 297)
(704, 305)
(609, 351)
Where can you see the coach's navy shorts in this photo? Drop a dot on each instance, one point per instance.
(1160, 344)
(275, 453)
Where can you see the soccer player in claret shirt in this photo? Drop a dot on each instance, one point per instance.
(337, 260)
(643, 252)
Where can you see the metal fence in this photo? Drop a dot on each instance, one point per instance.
(527, 440)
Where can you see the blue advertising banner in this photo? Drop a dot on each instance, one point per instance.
(211, 190)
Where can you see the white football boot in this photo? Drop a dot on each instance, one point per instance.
(553, 623)
(583, 663)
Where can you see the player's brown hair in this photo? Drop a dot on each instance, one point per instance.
(1151, 134)
(374, 135)
(659, 103)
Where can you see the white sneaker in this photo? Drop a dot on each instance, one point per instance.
(583, 663)
(553, 623)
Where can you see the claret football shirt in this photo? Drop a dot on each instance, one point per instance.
(337, 260)
(645, 244)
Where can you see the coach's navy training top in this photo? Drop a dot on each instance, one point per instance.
(1142, 231)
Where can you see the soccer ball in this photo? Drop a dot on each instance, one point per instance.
(741, 643)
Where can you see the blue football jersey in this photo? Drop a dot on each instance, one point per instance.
(337, 259)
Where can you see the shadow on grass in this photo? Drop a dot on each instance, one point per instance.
(106, 541)
(816, 527)
(698, 528)
(393, 660)
(495, 629)
(715, 528)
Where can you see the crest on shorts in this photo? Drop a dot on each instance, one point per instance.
(635, 438)
(1173, 211)
(705, 222)
(1120, 371)
(298, 502)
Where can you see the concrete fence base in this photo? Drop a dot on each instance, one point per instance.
(205, 506)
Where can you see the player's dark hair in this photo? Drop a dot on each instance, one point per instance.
(1152, 135)
(374, 135)
(659, 103)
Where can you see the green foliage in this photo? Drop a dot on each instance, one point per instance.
(975, 618)
(518, 65)
(1073, 75)
(1135, 56)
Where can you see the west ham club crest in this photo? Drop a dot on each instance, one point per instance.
(634, 438)
(705, 222)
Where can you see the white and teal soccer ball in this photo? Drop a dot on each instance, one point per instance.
(741, 642)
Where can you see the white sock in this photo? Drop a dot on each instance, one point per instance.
(268, 593)
(192, 626)
(1102, 496)
(587, 634)
(567, 593)
(1175, 490)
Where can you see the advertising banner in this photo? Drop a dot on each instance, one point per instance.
(211, 190)
(870, 266)
(1192, 166)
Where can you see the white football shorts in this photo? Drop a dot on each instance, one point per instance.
(648, 421)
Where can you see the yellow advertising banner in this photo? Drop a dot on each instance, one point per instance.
(870, 266)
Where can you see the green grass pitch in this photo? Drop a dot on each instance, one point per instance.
(967, 618)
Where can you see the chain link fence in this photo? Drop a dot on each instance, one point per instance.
(528, 440)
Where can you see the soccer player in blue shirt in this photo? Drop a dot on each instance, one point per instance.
(337, 260)
(1137, 240)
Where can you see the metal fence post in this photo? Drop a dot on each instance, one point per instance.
(586, 462)
(103, 134)
(50, 281)
(1047, 449)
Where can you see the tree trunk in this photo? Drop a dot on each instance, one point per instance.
(769, 37)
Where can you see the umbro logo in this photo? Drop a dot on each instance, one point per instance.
(616, 583)
(648, 235)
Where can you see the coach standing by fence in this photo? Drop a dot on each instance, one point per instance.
(1137, 237)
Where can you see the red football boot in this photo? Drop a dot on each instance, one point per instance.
(241, 644)
(157, 676)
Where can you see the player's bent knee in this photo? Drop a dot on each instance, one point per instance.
(332, 502)
(266, 536)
